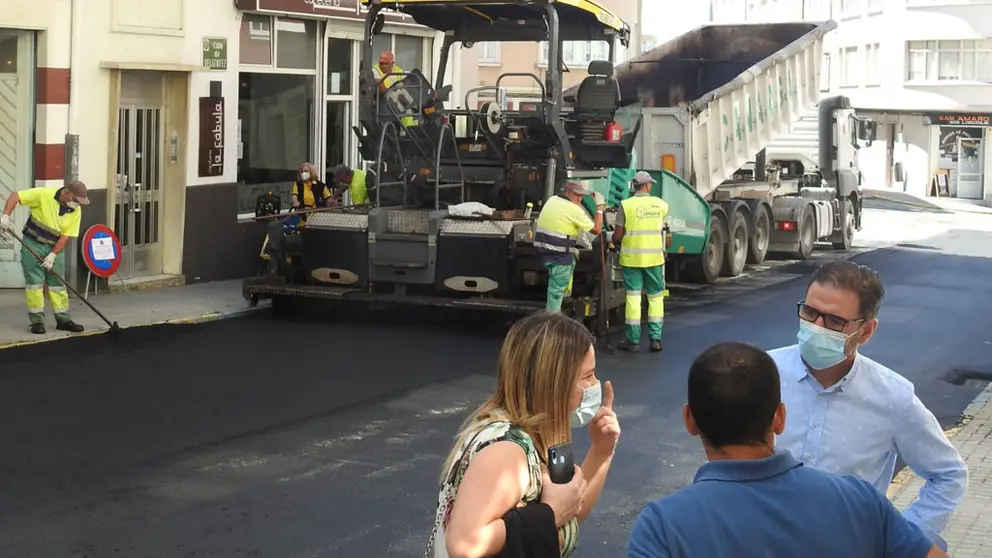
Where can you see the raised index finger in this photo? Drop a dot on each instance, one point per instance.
(608, 394)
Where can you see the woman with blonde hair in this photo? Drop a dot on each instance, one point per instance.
(308, 191)
(496, 497)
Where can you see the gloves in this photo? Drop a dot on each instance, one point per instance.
(5, 224)
(599, 199)
(48, 262)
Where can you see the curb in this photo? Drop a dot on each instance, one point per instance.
(930, 206)
(201, 319)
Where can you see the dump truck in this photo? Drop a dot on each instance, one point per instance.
(709, 103)
(693, 111)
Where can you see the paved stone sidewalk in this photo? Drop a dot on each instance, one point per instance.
(192, 303)
(969, 534)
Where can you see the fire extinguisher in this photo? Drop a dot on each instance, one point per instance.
(613, 132)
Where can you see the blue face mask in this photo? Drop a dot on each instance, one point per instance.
(820, 347)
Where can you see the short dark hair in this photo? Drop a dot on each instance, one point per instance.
(859, 279)
(734, 392)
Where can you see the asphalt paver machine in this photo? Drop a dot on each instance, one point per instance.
(429, 156)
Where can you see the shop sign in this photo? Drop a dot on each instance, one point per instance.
(351, 9)
(215, 53)
(211, 155)
(957, 119)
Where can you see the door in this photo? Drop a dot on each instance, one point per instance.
(337, 134)
(970, 169)
(138, 207)
(15, 141)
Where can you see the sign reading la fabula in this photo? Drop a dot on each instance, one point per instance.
(957, 119)
(211, 153)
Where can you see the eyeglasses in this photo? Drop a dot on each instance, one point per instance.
(830, 321)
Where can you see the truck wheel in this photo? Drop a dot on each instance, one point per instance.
(705, 268)
(807, 234)
(844, 238)
(758, 247)
(735, 255)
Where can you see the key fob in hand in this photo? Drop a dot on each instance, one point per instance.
(561, 463)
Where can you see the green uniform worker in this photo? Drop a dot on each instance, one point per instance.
(354, 180)
(639, 230)
(382, 71)
(55, 217)
(556, 233)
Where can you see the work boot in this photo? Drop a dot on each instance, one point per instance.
(656, 346)
(626, 345)
(70, 326)
(38, 329)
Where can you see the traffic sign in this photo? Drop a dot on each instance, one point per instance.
(101, 251)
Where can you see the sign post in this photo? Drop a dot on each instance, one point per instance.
(101, 253)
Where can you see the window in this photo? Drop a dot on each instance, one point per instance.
(488, 53)
(276, 113)
(409, 52)
(847, 8)
(339, 66)
(874, 5)
(297, 44)
(578, 54)
(949, 61)
(256, 40)
(825, 73)
(849, 67)
(872, 68)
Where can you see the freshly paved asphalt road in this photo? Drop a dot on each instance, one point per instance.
(263, 438)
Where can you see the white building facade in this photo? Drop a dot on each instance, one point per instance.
(921, 68)
(185, 111)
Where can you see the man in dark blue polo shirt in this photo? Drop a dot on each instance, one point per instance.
(750, 502)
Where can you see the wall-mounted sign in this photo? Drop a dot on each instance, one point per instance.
(215, 53)
(351, 9)
(957, 119)
(211, 159)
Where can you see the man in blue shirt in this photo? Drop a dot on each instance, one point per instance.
(750, 502)
(849, 414)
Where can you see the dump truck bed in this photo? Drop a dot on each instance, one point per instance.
(714, 97)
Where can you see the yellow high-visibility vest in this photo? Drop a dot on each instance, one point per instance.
(643, 242)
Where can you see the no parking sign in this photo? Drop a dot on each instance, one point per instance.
(101, 251)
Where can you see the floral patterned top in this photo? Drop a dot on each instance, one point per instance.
(483, 435)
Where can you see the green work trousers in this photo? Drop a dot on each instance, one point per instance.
(35, 279)
(639, 281)
(559, 284)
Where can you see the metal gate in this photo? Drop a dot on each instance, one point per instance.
(138, 207)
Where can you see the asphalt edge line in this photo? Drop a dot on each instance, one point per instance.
(931, 206)
(902, 480)
(201, 319)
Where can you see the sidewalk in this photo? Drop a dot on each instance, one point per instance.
(928, 203)
(189, 304)
(969, 534)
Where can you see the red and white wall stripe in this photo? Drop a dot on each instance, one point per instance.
(52, 99)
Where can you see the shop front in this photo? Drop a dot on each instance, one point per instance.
(298, 76)
(961, 154)
(17, 74)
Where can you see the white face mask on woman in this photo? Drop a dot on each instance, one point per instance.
(304, 176)
(592, 400)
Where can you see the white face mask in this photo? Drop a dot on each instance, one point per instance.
(72, 205)
(304, 175)
(592, 400)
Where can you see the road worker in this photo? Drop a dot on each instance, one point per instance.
(352, 180)
(382, 71)
(55, 218)
(639, 230)
(557, 231)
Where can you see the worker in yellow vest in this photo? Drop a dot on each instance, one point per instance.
(382, 71)
(352, 180)
(639, 230)
(556, 233)
(55, 218)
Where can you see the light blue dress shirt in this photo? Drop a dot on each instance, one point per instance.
(859, 425)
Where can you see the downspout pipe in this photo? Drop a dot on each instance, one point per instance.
(75, 98)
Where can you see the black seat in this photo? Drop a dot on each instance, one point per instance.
(598, 96)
